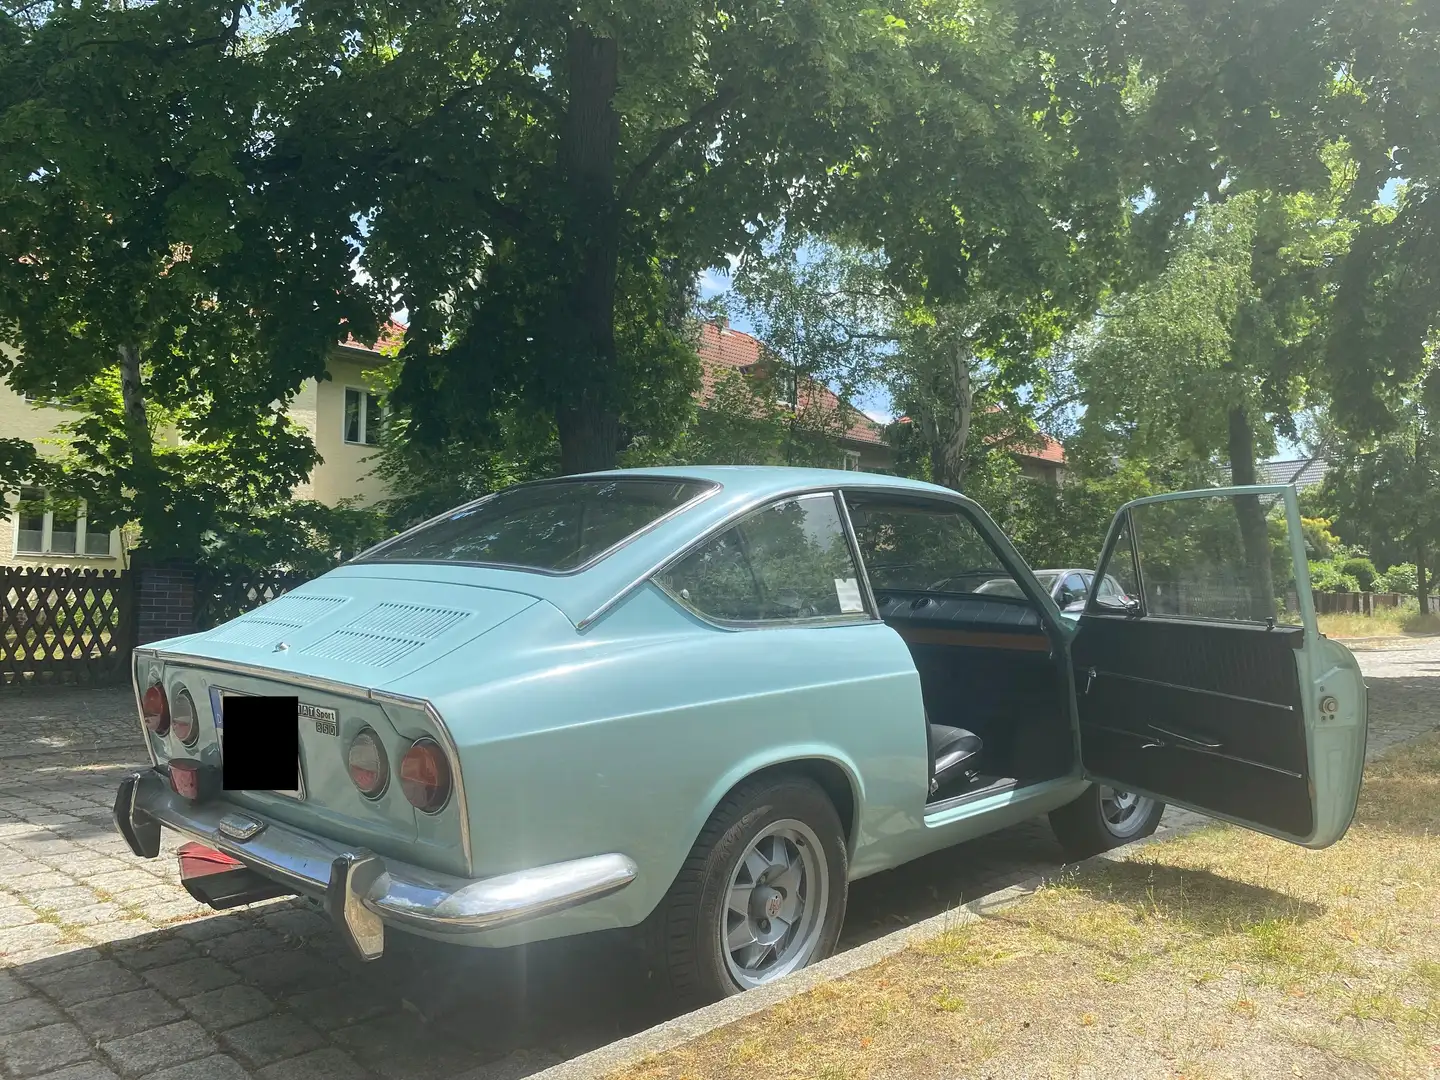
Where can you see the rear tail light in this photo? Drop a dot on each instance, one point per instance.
(156, 710)
(183, 718)
(425, 776)
(369, 769)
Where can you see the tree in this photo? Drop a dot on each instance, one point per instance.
(1388, 492)
(535, 174)
(161, 257)
(1218, 352)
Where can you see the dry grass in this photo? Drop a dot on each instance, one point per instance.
(1217, 954)
(1388, 622)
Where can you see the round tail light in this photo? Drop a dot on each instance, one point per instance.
(156, 710)
(369, 769)
(183, 720)
(425, 776)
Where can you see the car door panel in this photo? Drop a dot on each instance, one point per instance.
(1218, 713)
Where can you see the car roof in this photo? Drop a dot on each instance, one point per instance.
(585, 593)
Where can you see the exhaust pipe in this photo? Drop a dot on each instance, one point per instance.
(214, 878)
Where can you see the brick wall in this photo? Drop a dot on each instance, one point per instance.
(164, 601)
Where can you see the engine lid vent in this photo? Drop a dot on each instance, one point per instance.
(386, 633)
(270, 623)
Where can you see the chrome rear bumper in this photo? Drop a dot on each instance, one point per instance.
(361, 889)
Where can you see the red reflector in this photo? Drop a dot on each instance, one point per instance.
(156, 710)
(425, 776)
(185, 779)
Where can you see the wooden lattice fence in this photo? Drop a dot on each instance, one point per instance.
(65, 625)
(220, 595)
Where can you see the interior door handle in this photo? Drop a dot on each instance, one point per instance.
(1202, 741)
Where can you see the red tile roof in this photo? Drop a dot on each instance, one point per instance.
(721, 348)
(390, 334)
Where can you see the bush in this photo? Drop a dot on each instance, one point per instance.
(1400, 578)
(1329, 577)
(1362, 570)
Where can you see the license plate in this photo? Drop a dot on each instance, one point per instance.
(217, 709)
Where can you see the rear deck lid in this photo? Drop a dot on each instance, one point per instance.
(366, 631)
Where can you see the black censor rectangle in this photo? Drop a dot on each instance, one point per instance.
(260, 743)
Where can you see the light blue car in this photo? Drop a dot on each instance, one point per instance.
(701, 702)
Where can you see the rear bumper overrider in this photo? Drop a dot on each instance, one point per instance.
(361, 890)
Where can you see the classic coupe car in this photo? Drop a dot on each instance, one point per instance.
(700, 702)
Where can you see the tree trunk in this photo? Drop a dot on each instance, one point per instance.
(149, 500)
(589, 428)
(1422, 579)
(947, 454)
(1254, 535)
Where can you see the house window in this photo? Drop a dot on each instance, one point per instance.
(363, 417)
(851, 461)
(57, 531)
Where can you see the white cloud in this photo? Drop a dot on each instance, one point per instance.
(880, 416)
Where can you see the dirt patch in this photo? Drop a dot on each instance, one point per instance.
(1217, 954)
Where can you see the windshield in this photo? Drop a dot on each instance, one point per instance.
(1047, 581)
(552, 527)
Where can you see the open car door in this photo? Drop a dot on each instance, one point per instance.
(1207, 683)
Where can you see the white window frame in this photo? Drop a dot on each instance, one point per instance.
(46, 531)
(850, 460)
(365, 396)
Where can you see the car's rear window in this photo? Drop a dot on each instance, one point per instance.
(554, 527)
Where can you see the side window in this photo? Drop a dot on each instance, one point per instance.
(788, 561)
(926, 547)
(1222, 557)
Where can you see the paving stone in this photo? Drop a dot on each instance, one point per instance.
(228, 1006)
(191, 977)
(152, 950)
(73, 955)
(18, 938)
(40, 1050)
(212, 928)
(157, 1048)
(171, 911)
(119, 882)
(342, 1004)
(297, 922)
(93, 914)
(18, 915)
(325, 1064)
(215, 1067)
(86, 1070)
(295, 970)
(400, 1046)
(29, 885)
(26, 1013)
(87, 982)
(271, 1039)
(124, 1014)
(73, 896)
(11, 988)
(248, 942)
(115, 930)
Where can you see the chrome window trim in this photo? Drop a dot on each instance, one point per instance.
(711, 487)
(745, 508)
(846, 619)
(381, 697)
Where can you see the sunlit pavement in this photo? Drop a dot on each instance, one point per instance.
(108, 968)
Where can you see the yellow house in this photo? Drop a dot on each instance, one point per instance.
(341, 414)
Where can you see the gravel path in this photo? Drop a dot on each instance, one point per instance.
(107, 968)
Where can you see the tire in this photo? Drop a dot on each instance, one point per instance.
(775, 816)
(1103, 818)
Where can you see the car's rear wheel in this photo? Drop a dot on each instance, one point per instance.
(761, 895)
(1104, 818)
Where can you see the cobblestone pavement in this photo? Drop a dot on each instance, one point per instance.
(108, 968)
